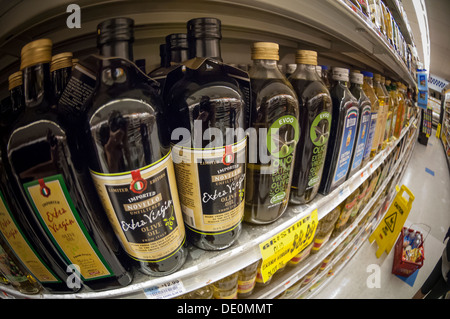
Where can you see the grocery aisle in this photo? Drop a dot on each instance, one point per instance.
(427, 176)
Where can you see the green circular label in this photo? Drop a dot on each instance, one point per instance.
(320, 129)
(283, 136)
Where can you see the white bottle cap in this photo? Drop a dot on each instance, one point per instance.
(340, 74)
(357, 78)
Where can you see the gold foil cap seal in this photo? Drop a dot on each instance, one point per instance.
(62, 60)
(265, 51)
(36, 52)
(14, 80)
(306, 57)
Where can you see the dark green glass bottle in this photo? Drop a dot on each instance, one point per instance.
(315, 121)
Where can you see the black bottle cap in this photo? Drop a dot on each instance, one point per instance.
(177, 41)
(116, 29)
(204, 28)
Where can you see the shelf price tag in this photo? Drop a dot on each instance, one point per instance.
(165, 291)
(279, 249)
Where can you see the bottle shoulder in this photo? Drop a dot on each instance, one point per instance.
(271, 87)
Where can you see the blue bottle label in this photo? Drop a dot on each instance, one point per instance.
(347, 142)
(362, 137)
(373, 124)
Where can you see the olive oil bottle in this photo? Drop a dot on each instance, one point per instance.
(364, 105)
(390, 107)
(207, 102)
(15, 86)
(370, 151)
(276, 105)
(49, 170)
(130, 162)
(173, 53)
(22, 236)
(60, 70)
(383, 110)
(344, 125)
(15, 272)
(315, 114)
(18, 231)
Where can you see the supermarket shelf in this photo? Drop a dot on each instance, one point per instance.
(364, 233)
(353, 247)
(291, 275)
(329, 26)
(399, 14)
(216, 265)
(382, 49)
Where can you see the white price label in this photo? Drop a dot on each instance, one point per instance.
(165, 291)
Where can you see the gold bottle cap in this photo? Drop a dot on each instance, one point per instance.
(39, 51)
(14, 80)
(62, 60)
(265, 51)
(306, 57)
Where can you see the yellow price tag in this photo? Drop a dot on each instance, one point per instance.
(279, 249)
(389, 228)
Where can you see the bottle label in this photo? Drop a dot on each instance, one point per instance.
(345, 215)
(373, 125)
(285, 131)
(58, 216)
(144, 210)
(347, 142)
(9, 268)
(15, 239)
(319, 134)
(246, 286)
(362, 137)
(211, 184)
(388, 126)
(379, 130)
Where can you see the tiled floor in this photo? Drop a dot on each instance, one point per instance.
(428, 177)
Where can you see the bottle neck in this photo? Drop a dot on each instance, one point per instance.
(341, 82)
(205, 48)
(120, 49)
(357, 85)
(178, 56)
(37, 86)
(306, 71)
(265, 69)
(369, 81)
(17, 98)
(268, 64)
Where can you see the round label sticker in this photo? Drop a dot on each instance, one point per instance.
(283, 136)
(320, 129)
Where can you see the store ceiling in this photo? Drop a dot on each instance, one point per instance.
(438, 12)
